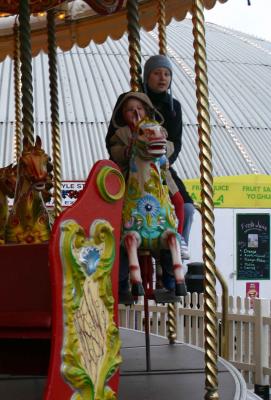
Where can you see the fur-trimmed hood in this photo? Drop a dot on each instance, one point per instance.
(117, 118)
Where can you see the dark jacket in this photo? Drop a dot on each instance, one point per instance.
(173, 125)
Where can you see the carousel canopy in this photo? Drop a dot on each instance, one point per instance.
(80, 22)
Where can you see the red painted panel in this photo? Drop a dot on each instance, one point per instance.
(88, 207)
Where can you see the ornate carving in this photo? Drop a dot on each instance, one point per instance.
(105, 6)
(12, 6)
(28, 221)
(102, 184)
(91, 345)
(149, 219)
(7, 189)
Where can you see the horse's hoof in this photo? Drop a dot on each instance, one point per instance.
(180, 289)
(137, 289)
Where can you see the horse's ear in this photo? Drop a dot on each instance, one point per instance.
(38, 142)
(25, 143)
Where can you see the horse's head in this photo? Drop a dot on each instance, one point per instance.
(8, 177)
(34, 164)
(150, 139)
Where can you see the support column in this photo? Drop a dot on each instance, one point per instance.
(208, 242)
(52, 56)
(134, 45)
(26, 71)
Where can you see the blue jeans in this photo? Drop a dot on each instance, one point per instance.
(189, 210)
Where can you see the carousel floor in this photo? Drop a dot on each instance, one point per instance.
(177, 372)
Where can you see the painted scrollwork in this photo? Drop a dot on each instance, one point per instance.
(91, 346)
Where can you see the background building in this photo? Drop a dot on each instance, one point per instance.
(239, 71)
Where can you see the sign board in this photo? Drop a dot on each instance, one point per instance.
(253, 246)
(242, 191)
(70, 191)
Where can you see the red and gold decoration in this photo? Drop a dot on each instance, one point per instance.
(105, 6)
(84, 264)
(12, 6)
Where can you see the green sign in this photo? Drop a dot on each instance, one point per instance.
(253, 246)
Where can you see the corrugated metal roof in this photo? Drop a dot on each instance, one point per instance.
(91, 78)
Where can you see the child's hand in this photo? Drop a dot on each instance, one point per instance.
(135, 120)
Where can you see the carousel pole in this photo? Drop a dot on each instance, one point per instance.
(17, 94)
(136, 85)
(134, 45)
(26, 71)
(162, 27)
(208, 242)
(52, 55)
(171, 307)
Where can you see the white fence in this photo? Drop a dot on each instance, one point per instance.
(249, 337)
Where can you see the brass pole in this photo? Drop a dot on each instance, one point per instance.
(225, 306)
(162, 27)
(208, 243)
(26, 70)
(225, 319)
(52, 57)
(17, 93)
(171, 308)
(134, 45)
(171, 311)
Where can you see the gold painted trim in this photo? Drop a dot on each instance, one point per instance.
(91, 344)
(101, 184)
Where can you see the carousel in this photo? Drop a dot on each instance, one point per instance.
(59, 286)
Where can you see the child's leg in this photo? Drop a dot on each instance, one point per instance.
(178, 203)
(189, 210)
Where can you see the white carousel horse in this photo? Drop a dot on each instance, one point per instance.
(149, 219)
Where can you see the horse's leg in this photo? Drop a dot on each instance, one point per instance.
(173, 244)
(131, 245)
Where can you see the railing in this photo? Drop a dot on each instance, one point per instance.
(249, 339)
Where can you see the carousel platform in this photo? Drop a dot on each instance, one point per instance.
(176, 371)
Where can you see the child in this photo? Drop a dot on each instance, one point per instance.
(133, 107)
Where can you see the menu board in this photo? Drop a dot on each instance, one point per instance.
(253, 246)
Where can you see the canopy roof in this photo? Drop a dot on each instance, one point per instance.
(79, 23)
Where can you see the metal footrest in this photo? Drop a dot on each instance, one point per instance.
(165, 296)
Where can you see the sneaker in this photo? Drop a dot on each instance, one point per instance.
(184, 250)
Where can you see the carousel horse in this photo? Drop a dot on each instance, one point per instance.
(28, 221)
(7, 189)
(149, 219)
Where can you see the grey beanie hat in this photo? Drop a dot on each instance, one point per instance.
(157, 61)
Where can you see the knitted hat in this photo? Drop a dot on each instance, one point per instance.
(157, 61)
